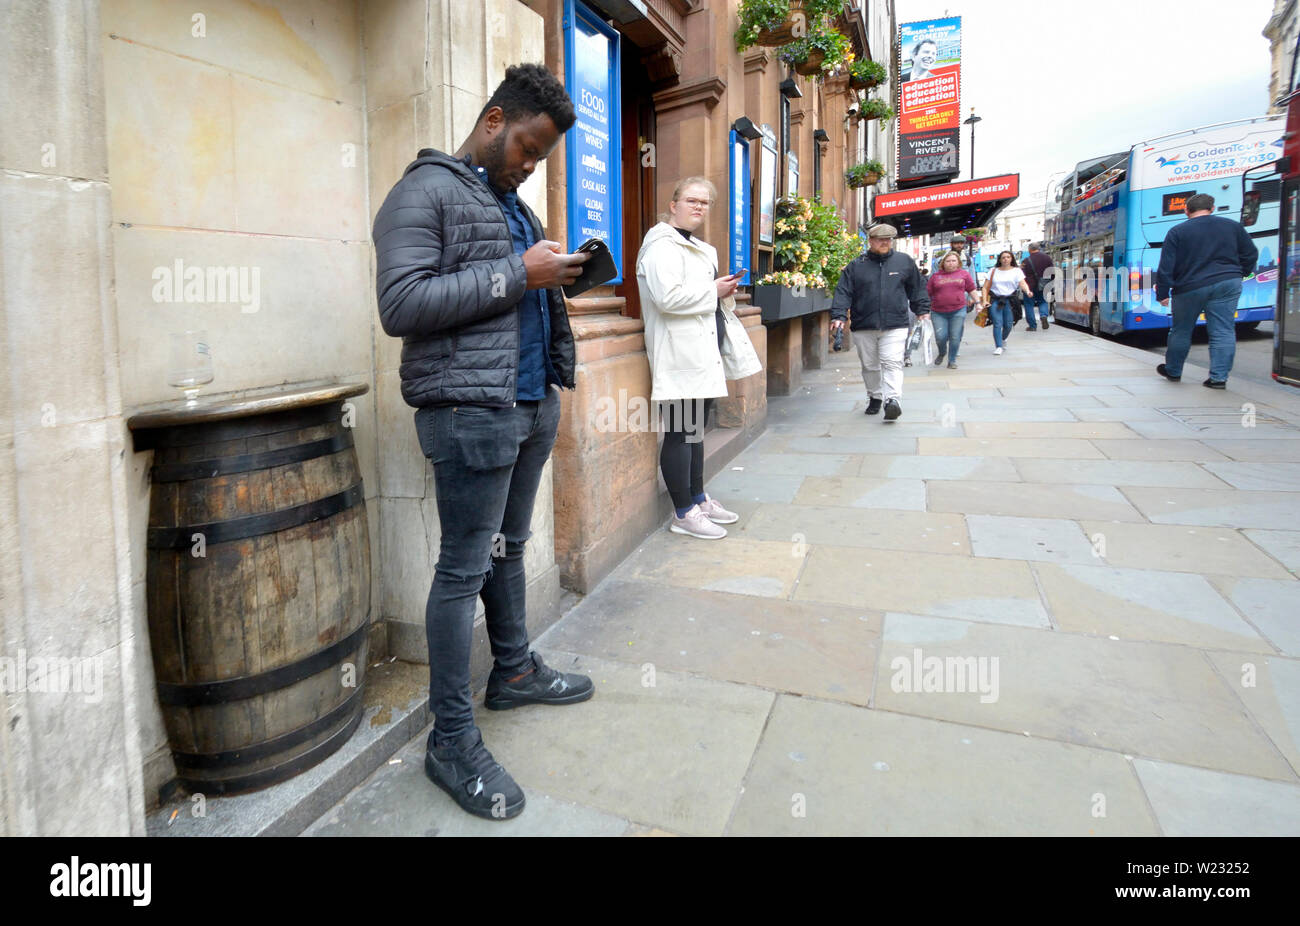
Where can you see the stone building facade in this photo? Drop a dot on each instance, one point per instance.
(1281, 30)
(264, 137)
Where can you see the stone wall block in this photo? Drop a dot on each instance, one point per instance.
(54, 104)
(396, 35)
(170, 139)
(300, 163)
(313, 46)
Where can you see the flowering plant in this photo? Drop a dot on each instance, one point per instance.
(824, 45)
(866, 73)
(864, 174)
(874, 108)
(813, 245)
(774, 16)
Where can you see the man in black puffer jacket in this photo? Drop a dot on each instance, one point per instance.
(879, 289)
(468, 281)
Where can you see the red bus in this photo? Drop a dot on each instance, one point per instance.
(1286, 322)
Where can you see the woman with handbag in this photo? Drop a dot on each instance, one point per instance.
(951, 289)
(695, 343)
(1003, 281)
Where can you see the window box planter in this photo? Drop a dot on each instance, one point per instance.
(779, 302)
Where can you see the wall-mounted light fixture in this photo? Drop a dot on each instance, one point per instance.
(745, 128)
(790, 88)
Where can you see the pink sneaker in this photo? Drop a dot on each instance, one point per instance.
(696, 524)
(716, 513)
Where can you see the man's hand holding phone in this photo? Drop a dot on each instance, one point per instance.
(548, 266)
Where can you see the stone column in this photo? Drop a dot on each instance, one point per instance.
(784, 356)
(816, 339)
(70, 760)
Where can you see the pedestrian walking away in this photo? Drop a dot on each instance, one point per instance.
(694, 343)
(1003, 282)
(1202, 263)
(1035, 267)
(950, 290)
(878, 293)
(469, 282)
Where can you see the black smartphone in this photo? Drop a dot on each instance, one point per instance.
(598, 269)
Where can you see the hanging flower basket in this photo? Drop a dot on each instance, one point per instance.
(819, 52)
(875, 109)
(812, 64)
(773, 23)
(863, 75)
(864, 174)
(782, 34)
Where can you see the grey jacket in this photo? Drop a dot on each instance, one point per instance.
(449, 282)
(880, 291)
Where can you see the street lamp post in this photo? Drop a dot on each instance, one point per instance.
(971, 122)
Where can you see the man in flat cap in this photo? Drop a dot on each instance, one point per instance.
(877, 291)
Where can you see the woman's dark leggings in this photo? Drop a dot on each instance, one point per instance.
(682, 455)
(681, 458)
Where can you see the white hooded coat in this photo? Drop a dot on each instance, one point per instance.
(679, 297)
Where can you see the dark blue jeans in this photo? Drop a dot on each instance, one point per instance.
(487, 463)
(1218, 301)
(1035, 299)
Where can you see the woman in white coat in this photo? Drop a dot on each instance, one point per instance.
(695, 344)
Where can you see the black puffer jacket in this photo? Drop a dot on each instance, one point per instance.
(879, 290)
(449, 282)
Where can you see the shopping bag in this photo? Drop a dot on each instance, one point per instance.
(914, 341)
(929, 343)
(982, 317)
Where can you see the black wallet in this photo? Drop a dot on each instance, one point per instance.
(598, 269)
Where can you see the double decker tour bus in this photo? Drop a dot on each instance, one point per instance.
(1115, 210)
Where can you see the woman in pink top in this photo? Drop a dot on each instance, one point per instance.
(950, 289)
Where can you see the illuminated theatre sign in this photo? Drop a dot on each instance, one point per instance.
(946, 207)
(593, 160)
(929, 99)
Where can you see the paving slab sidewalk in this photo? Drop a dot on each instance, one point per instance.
(1059, 596)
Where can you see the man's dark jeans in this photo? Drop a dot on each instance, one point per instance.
(1036, 301)
(487, 463)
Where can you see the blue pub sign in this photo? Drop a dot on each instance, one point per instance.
(593, 150)
(738, 188)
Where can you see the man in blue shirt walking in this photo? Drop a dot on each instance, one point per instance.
(1202, 263)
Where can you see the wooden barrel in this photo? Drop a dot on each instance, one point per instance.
(258, 590)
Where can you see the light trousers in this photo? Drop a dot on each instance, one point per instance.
(881, 354)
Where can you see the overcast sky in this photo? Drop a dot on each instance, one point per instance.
(1057, 82)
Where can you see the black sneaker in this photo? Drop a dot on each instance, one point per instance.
(938, 358)
(892, 410)
(873, 406)
(473, 779)
(543, 685)
(1164, 371)
(1215, 384)
(1045, 325)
